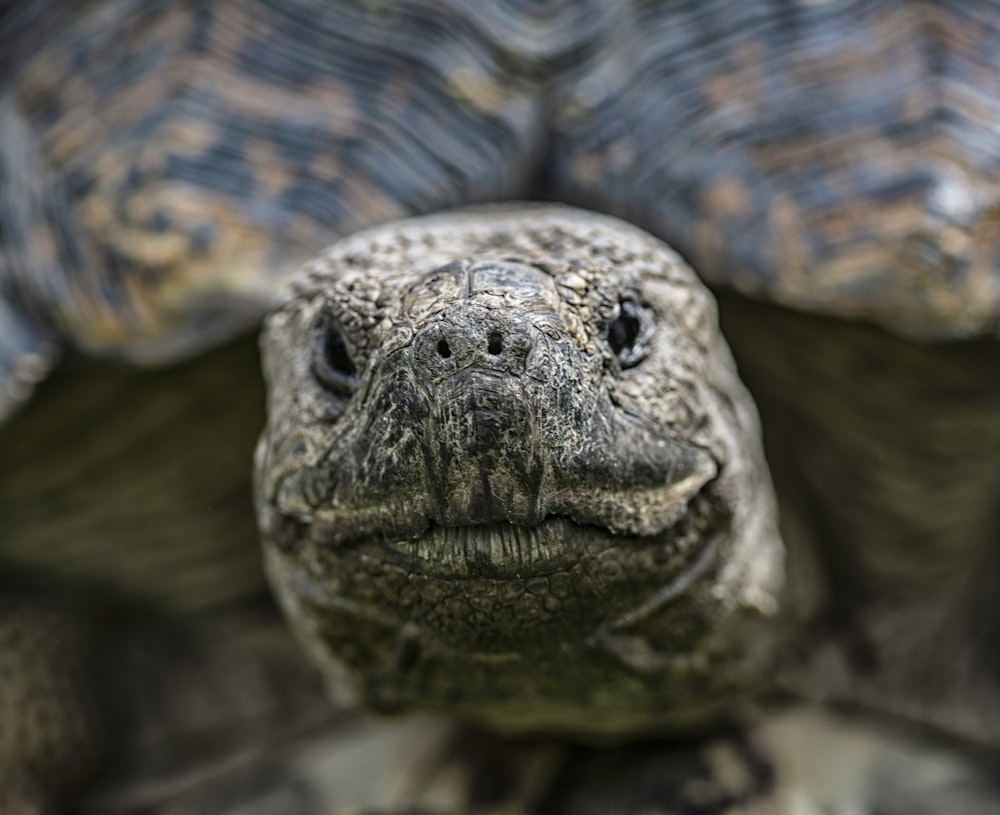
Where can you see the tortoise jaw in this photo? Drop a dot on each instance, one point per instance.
(501, 549)
(515, 624)
(492, 549)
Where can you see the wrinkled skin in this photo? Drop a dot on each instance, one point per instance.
(164, 165)
(509, 472)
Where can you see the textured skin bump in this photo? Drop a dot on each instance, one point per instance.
(498, 517)
(48, 739)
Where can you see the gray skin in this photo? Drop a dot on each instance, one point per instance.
(307, 763)
(509, 473)
(165, 167)
(431, 383)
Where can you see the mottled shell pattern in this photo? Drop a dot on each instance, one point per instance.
(164, 166)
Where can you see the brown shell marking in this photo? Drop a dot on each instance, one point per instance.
(176, 162)
(838, 156)
(190, 158)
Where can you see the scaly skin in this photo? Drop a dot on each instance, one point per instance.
(477, 497)
(163, 166)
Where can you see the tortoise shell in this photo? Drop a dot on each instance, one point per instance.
(164, 166)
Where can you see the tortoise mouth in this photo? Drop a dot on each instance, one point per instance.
(482, 592)
(506, 622)
(504, 550)
(497, 548)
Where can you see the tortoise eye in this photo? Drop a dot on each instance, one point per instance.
(332, 363)
(624, 331)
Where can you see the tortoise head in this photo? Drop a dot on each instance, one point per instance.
(509, 472)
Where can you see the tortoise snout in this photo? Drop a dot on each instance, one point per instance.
(471, 337)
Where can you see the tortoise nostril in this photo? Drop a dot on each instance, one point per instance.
(495, 343)
(443, 349)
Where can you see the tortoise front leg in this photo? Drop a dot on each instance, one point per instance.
(49, 744)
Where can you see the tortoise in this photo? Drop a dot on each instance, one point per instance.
(828, 168)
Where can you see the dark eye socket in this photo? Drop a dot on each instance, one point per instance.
(332, 362)
(624, 331)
